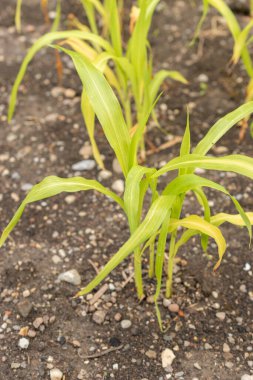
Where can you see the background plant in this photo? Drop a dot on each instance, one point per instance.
(132, 76)
(242, 40)
(150, 230)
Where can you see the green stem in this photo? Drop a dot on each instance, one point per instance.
(128, 113)
(138, 273)
(151, 260)
(170, 265)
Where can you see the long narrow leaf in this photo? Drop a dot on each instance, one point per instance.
(51, 186)
(105, 106)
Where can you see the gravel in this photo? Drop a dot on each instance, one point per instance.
(167, 357)
(125, 324)
(84, 165)
(71, 276)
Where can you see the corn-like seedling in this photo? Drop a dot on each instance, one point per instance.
(149, 229)
(132, 76)
(242, 40)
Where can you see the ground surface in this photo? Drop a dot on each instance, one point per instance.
(212, 335)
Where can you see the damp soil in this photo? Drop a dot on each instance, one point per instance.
(211, 334)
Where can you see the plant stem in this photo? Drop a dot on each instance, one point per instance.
(170, 265)
(128, 113)
(138, 273)
(151, 260)
(251, 7)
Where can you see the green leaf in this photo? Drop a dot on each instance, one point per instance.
(235, 30)
(146, 229)
(233, 163)
(51, 186)
(105, 106)
(159, 78)
(132, 194)
(46, 40)
(57, 19)
(186, 142)
(222, 126)
(194, 222)
(237, 220)
(18, 15)
(89, 118)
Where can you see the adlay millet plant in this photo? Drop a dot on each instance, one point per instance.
(149, 230)
(242, 40)
(128, 67)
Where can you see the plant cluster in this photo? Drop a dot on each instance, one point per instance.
(242, 41)
(132, 75)
(162, 222)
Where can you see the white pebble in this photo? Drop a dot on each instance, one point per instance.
(247, 377)
(56, 374)
(23, 343)
(84, 165)
(125, 324)
(118, 186)
(71, 276)
(167, 357)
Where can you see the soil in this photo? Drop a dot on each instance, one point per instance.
(211, 335)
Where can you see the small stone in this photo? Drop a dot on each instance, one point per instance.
(99, 317)
(243, 288)
(38, 322)
(70, 199)
(104, 174)
(26, 186)
(118, 186)
(216, 306)
(226, 347)
(31, 334)
(23, 331)
(23, 343)
(84, 165)
(174, 308)
(247, 377)
(69, 93)
(229, 365)
(208, 346)
(24, 308)
(116, 166)
(15, 365)
(115, 366)
(150, 299)
(203, 78)
(221, 315)
(114, 341)
(117, 317)
(86, 151)
(57, 91)
(151, 354)
(56, 259)
(51, 118)
(125, 324)
(197, 366)
(247, 267)
(166, 302)
(82, 375)
(76, 343)
(167, 357)
(26, 293)
(56, 374)
(71, 276)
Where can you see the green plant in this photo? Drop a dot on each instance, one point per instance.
(242, 40)
(132, 76)
(150, 230)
